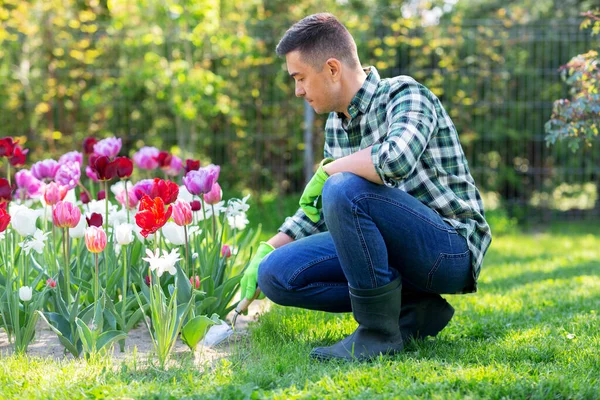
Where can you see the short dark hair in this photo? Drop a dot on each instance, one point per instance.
(319, 37)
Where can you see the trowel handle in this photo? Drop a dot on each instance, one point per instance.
(245, 303)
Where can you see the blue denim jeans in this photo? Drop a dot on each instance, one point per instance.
(375, 234)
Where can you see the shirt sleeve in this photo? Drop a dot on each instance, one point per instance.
(412, 121)
(299, 225)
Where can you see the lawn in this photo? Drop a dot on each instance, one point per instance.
(532, 331)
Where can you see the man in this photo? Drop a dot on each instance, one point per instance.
(392, 217)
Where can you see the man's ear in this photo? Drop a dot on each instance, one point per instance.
(334, 69)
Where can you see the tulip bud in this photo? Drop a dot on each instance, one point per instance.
(182, 213)
(215, 195)
(101, 195)
(84, 198)
(51, 283)
(147, 280)
(124, 234)
(195, 205)
(25, 293)
(226, 251)
(195, 281)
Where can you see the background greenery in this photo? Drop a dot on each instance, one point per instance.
(200, 78)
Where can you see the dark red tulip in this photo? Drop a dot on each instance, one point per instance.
(88, 144)
(104, 169)
(7, 147)
(84, 198)
(124, 167)
(166, 190)
(5, 190)
(192, 165)
(163, 159)
(94, 220)
(101, 195)
(196, 205)
(18, 157)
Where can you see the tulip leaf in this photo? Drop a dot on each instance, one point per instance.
(108, 338)
(64, 325)
(86, 335)
(184, 287)
(135, 318)
(195, 329)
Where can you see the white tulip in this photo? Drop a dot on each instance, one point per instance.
(124, 234)
(79, 231)
(24, 219)
(25, 293)
(184, 194)
(174, 233)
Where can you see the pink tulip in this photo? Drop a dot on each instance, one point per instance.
(182, 213)
(201, 181)
(51, 283)
(226, 251)
(145, 158)
(65, 215)
(69, 174)
(72, 156)
(45, 169)
(215, 195)
(195, 281)
(28, 185)
(95, 239)
(174, 167)
(54, 192)
(109, 147)
(131, 196)
(89, 172)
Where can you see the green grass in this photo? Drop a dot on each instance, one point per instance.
(532, 331)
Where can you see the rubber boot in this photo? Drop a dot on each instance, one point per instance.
(377, 312)
(423, 314)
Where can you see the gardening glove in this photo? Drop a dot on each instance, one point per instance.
(250, 278)
(312, 192)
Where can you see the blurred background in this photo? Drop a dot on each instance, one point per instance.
(200, 78)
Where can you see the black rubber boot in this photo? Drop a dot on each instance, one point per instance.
(423, 314)
(377, 312)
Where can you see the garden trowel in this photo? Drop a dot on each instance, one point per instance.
(243, 306)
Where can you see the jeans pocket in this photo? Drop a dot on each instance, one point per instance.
(451, 273)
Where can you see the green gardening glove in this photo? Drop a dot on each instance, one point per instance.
(250, 278)
(312, 192)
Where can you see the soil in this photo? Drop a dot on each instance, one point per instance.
(139, 343)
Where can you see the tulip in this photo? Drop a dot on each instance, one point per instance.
(68, 174)
(24, 220)
(108, 147)
(65, 215)
(95, 239)
(79, 230)
(166, 190)
(201, 181)
(124, 167)
(101, 195)
(88, 144)
(195, 281)
(124, 234)
(89, 172)
(147, 280)
(103, 167)
(214, 196)
(4, 219)
(175, 167)
(54, 192)
(143, 187)
(25, 293)
(196, 205)
(45, 169)
(182, 213)
(84, 197)
(145, 157)
(19, 156)
(226, 251)
(163, 159)
(94, 219)
(28, 185)
(72, 156)
(51, 283)
(5, 190)
(174, 234)
(152, 215)
(192, 165)
(6, 147)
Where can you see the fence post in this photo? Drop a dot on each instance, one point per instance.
(309, 121)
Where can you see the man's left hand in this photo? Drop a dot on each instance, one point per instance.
(313, 190)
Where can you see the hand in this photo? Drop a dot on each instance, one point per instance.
(313, 191)
(250, 278)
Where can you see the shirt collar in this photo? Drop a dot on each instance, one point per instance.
(360, 102)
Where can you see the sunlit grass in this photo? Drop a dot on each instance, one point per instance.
(531, 331)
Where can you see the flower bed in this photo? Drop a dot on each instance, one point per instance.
(93, 258)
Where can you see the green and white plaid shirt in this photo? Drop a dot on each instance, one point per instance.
(415, 149)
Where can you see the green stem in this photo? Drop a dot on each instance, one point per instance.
(106, 207)
(96, 280)
(127, 201)
(187, 250)
(67, 265)
(125, 279)
(214, 223)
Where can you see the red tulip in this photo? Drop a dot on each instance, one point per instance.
(124, 167)
(166, 190)
(5, 191)
(51, 283)
(94, 220)
(101, 195)
(7, 147)
(84, 197)
(196, 205)
(192, 165)
(4, 219)
(104, 169)
(88, 144)
(195, 281)
(226, 251)
(18, 157)
(163, 159)
(152, 215)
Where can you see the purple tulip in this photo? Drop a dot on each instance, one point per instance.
(175, 167)
(143, 187)
(69, 174)
(109, 147)
(215, 168)
(45, 169)
(71, 156)
(28, 186)
(201, 181)
(145, 158)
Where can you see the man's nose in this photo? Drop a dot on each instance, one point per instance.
(300, 91)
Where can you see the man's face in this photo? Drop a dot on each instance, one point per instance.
(317, 87)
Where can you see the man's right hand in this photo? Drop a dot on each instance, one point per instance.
(250, 278)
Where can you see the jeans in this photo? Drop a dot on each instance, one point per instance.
(375, 234)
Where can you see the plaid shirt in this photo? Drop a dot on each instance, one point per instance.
(415, 149)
